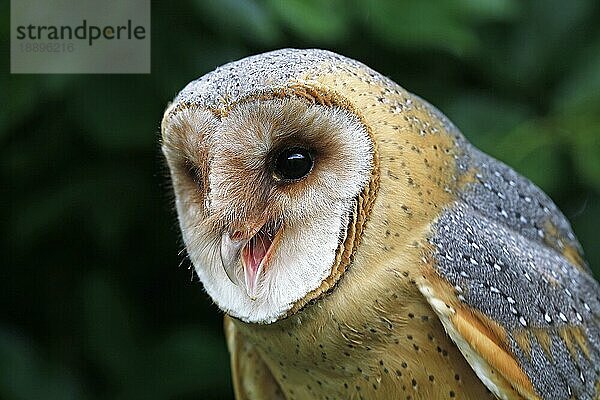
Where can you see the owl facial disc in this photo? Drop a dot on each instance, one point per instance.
(266, 192)
(253, 251)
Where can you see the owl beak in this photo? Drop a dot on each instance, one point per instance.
(253, 249)
(230, 256)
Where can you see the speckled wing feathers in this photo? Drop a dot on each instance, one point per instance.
(507, 252)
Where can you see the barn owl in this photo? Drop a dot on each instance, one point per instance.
(361, 248)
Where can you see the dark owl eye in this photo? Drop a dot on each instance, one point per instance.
(293, 163)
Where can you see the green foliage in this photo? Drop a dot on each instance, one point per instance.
(94, 303)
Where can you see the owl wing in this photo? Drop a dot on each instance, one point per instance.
(252, 379)
(506, 277)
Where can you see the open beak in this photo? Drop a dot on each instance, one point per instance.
(252, 249)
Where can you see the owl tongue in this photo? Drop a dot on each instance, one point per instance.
(254, 257)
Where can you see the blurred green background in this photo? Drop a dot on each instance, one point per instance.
(99, 302)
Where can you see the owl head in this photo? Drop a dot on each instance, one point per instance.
(270, 171)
